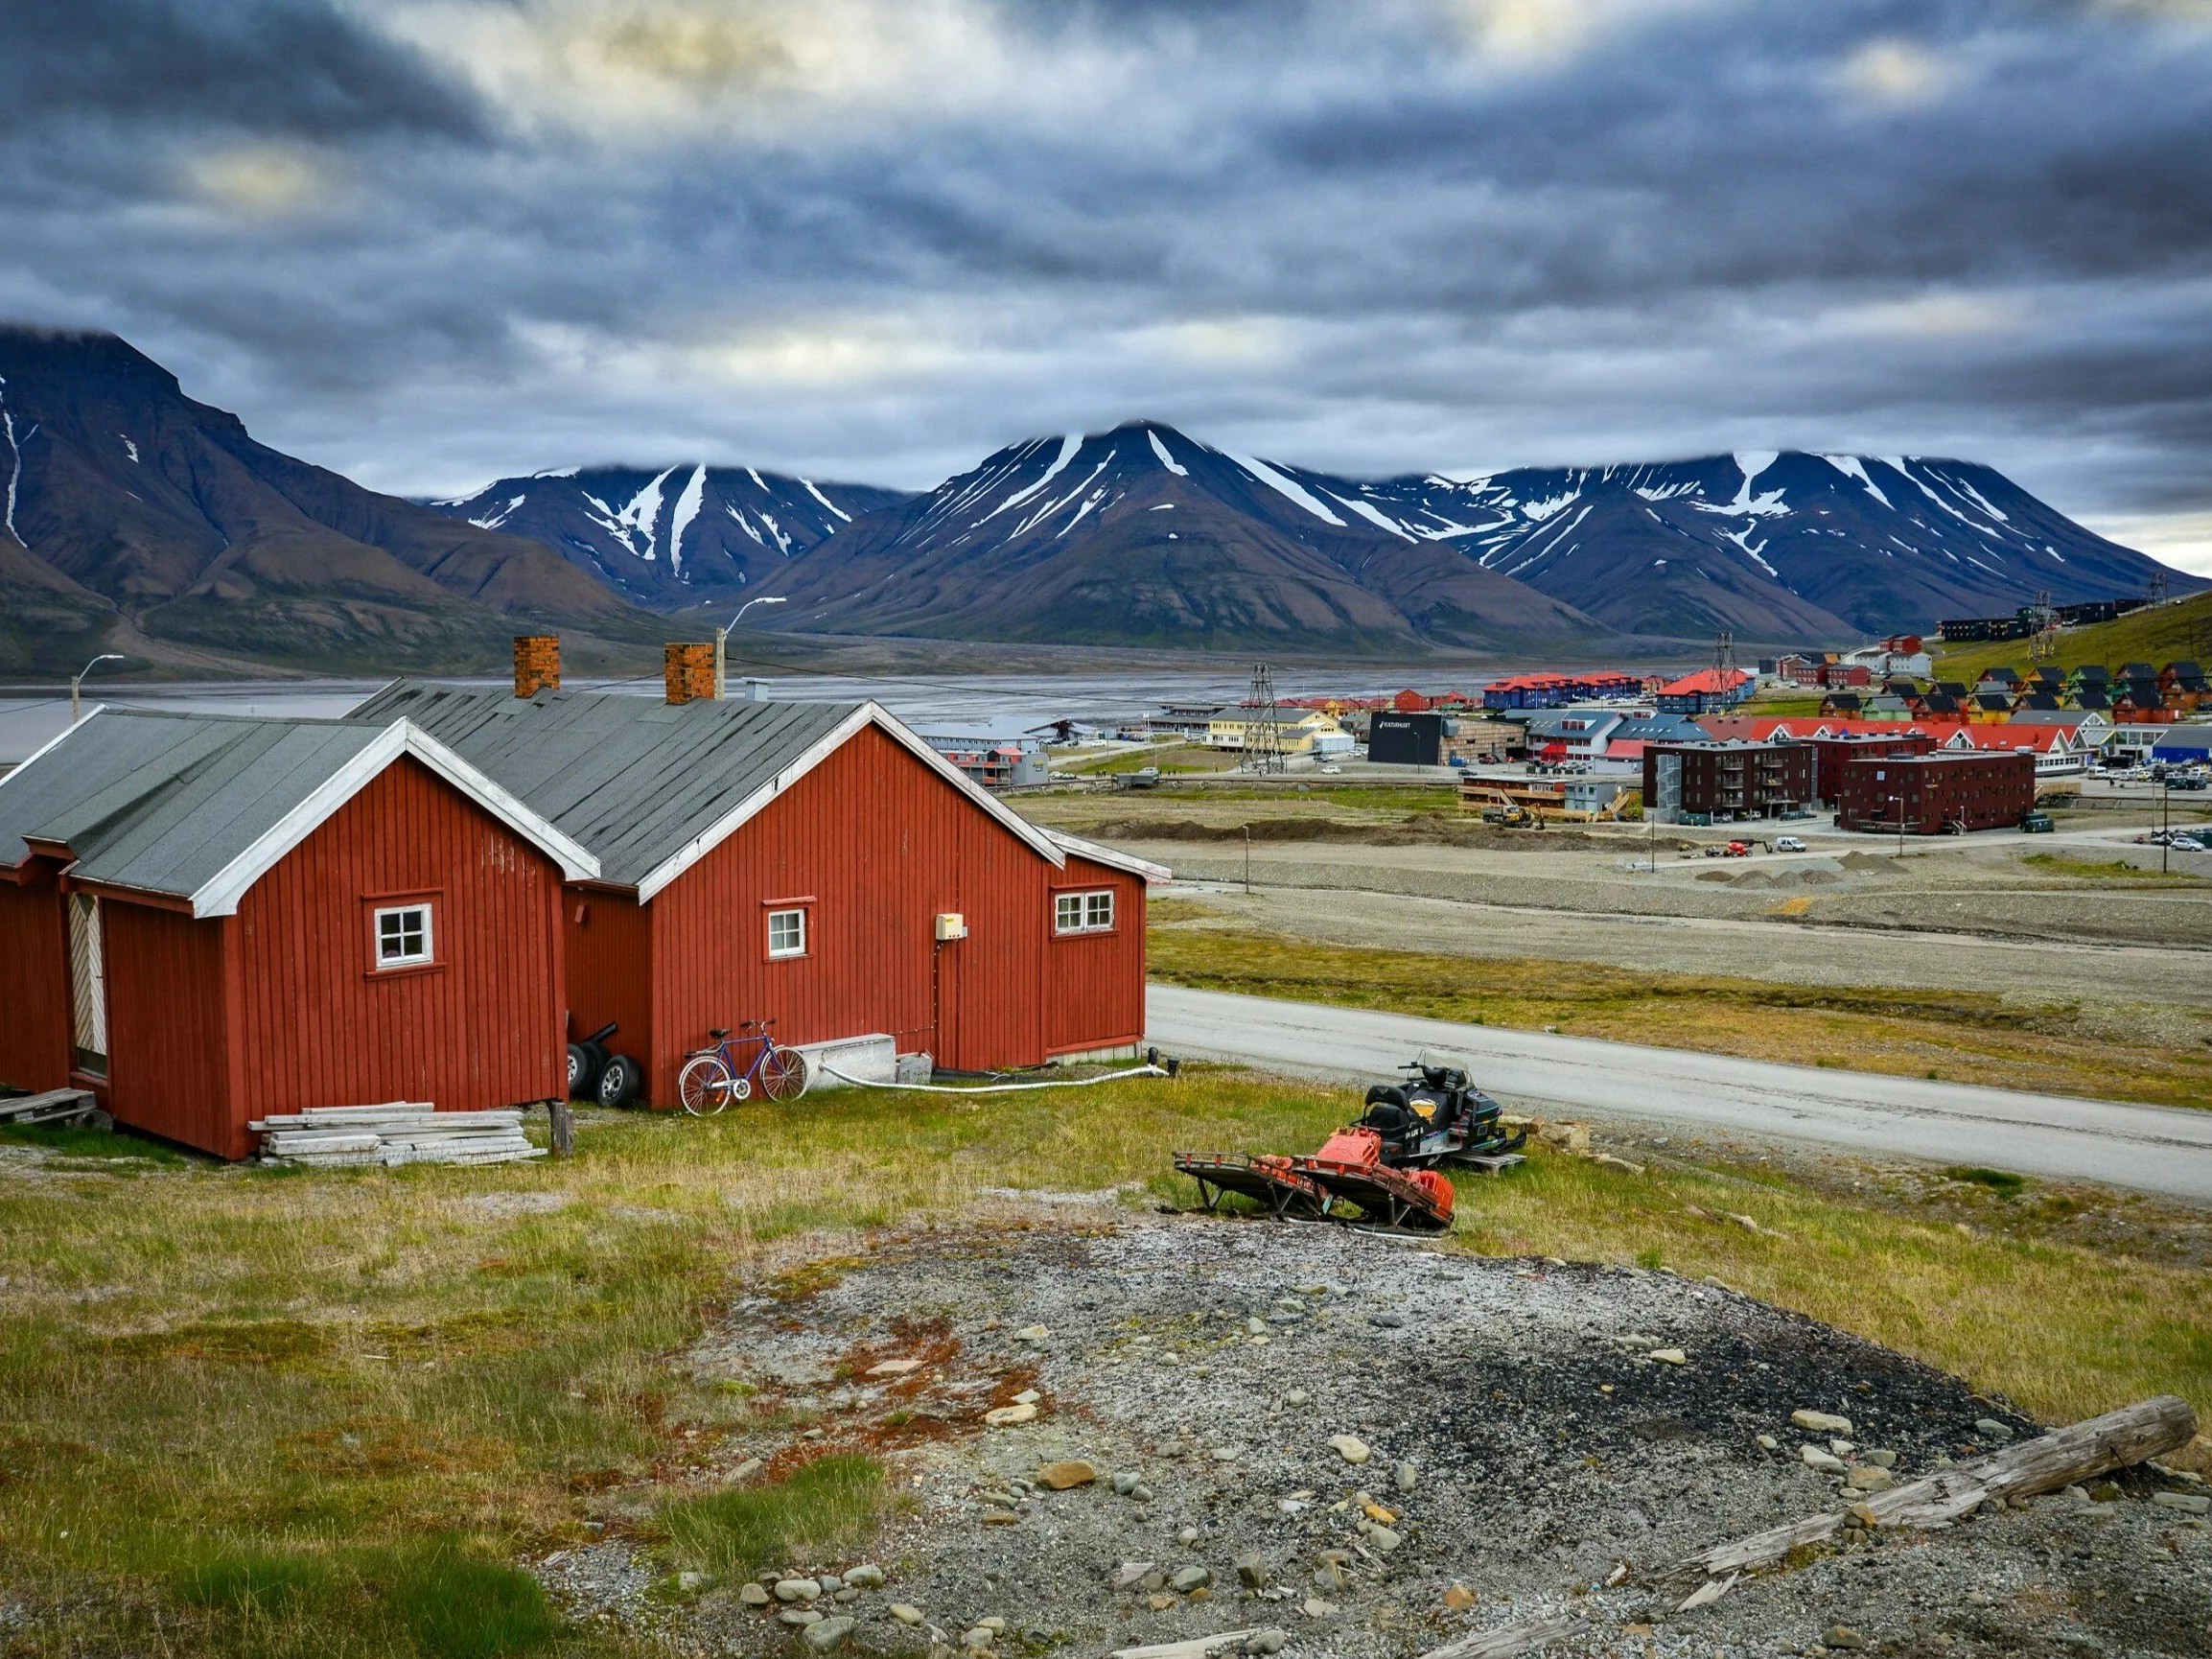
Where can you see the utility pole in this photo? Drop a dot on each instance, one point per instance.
(77, 680)
(1899, 801)
(1247, 861)
(2165, 821)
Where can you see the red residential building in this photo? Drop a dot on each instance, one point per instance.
(206, 920)
(1930, 794)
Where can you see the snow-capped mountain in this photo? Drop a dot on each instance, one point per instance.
(1776, 545)
(1144, 533)
(1146, 536)
(671, 537)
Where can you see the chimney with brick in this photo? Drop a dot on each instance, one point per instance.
(537, 664)
(689, 669)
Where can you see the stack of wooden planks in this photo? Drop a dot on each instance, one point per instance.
(399, 1131)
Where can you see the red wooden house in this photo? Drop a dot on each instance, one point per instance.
(205, 920)
(812, 863)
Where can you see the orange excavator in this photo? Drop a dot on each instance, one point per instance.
(1381, 1171)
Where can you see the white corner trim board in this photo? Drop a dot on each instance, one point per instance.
(1110, 858)
(222, 892)
(866, 715)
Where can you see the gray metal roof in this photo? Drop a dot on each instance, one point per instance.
(631, 778)
(166, 801)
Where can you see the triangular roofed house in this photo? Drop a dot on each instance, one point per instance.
(206, 918)
(816, 864)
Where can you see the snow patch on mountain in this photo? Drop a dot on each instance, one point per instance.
(686, 509)
(1289, 487)
(1166, 461)
(1850, 466)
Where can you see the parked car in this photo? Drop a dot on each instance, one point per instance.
(2036, 824)
(1788, 844)
(1737, 849)
(2186, 844)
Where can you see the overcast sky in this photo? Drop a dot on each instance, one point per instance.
(432, 242)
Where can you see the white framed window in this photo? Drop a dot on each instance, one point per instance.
(1083, 912)
(786, 933)
(402, 936)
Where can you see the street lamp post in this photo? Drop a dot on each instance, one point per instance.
(77, 680)
(1899, 801)
(722, 641)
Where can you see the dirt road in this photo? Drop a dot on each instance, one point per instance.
(2146, 1148)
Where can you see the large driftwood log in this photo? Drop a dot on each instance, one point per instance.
(2062, 1457)
(1196, 1647)
(1509, 1640)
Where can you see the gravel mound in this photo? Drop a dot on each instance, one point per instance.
(1136, 1430)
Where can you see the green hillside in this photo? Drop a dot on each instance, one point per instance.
(2160, 635)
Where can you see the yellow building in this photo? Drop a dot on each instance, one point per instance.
(1311, 731)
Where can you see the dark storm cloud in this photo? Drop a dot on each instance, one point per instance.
(259, 65)
(427, 241)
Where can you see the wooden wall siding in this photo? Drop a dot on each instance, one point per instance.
(610, 969)
(482, 1028)
(1095, 990)
(882, 845)
(33, 981)
(167, 1042)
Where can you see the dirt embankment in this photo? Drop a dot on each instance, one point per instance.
(1416, 829)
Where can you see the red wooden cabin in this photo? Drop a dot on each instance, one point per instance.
(816, 864)
(205, 920)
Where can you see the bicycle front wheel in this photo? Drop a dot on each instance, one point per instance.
(783, 1075)
(704, 1085)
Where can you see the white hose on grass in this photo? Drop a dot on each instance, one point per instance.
(1002, 1088)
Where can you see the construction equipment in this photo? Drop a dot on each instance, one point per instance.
(1384, 1169)
(1497, 806)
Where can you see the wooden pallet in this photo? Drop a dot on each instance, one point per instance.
(1497, 1164)
(54, 1106)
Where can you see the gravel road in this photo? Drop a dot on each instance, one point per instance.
(2147, 1148)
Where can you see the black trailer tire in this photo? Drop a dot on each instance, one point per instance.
(583, 1072)
(621, 1080)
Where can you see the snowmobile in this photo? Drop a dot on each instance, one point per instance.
(1437, 1116)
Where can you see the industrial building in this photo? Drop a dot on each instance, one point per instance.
(1932, 794)
(205, 920)
(1721, 782)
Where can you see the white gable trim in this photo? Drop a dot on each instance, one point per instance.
(222, 893)
(838, 736)
(49, 746)
(1110, 859)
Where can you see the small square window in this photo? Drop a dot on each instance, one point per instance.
(402, 936)
(786, 933)
(1083, 912)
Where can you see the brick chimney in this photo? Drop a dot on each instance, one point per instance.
(537, 664)
(689, 669)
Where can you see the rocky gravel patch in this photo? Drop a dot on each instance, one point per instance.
(1133, 1430)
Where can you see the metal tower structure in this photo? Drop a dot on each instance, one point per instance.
(1263, 724)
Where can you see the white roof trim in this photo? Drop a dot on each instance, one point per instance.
(221, 894)
(865, 715)
(1110, 859)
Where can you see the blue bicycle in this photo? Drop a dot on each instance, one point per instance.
(712, 1077)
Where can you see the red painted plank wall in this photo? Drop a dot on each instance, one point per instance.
(610, 969)
(319, 1026)
(882, 845)
(1095, 989)
(168, 1045)
(34, 980)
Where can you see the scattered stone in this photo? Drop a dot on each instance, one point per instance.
(1821, 1422)
(745, 1471)
(1130, 1573)
(1187, 1536)
(1189, 1578)
(1251, 1570)
(1869, 1479)
(2186, 1502)
(1387, 1322)
(1989, 1429)
(995, 1624)
(998, 1500)
(1351, 1448)
(1006, 1417)
(977, 1638)
(1863, 1514)
(1768, 1443)
(905, 1613)
(1269, 1640)
(1256, 1326)
(893, 1369)
(1882, 1459)
(1126, 1483)
(1382, 1540)
(868, 1577)
(2105, 1492)
(797, 1589)
(799, 1618)
(1458, 1599)
(1842, 1448)
(1031, 1334)
(826, 1636)
(1407, 1477)
(1065, 1477)
(1331, 1576)
(1026, 1397)
(1141, 1493)
(1316, 1609)
(1670, 1356)
(1827, 1462)
(830, 1582)
(1227, 1454)
(753, 1595)
(1843, 1638)
(1159, 1602)
(1297, 1397)
(1001, 1518)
